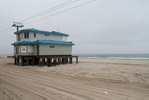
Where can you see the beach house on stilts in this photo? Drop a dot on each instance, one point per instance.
(37, 47)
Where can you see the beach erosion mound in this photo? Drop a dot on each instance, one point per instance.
(123, 71)
(119, 71)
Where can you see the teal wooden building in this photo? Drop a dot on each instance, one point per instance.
(35, 46)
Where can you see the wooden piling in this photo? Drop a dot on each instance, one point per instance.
(22, 61)
(15, 60)
(77, 60)
(39, 61)
(70, 59)
(44, 60)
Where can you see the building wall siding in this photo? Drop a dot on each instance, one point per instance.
(45, 49)
(64, 38)
(26, 50)
(23, 49)
(40, 36)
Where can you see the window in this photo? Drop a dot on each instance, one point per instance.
(26, 35)
(34, 35)
(51, 46)
(19, 39)
(46, 34)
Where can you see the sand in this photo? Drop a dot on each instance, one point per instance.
(91, 79)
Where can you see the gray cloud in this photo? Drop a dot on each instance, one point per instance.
(105, 26)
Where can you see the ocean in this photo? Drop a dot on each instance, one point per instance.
(115, 56)
(5, 55)
(106, 56)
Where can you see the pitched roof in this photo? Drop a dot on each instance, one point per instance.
(43, 42)
(40, 31)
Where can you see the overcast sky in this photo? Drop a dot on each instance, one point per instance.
(100, 27)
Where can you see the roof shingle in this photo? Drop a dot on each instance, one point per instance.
(43, 42)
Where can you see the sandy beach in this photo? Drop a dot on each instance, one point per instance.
(91, 79)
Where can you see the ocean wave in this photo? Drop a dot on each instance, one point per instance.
(118, 58)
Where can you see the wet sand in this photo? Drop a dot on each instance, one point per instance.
(91, 79)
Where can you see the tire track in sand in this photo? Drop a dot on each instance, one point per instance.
(80, 91)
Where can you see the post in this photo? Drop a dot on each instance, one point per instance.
(54, 61)
(39, 61)
(43, 61)
(34, 61)
(22, 61)
(77, 60)
(59, 60)
(62, 60)
(49, 60)
(17, 28)
(70, 59)
(15, 60)
(17, 24)
(27, 61)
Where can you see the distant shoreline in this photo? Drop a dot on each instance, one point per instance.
(106, 56)
(115, 56)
